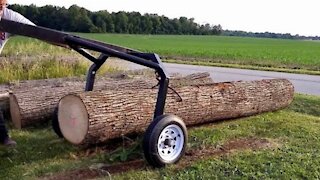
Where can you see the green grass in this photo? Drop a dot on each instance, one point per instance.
(278, 53)
(23, 46)
(27, 59)
(295, 131)
(22, 67)
(51, 68)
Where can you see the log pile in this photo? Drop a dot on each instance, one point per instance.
(94, 117)
(34, 102)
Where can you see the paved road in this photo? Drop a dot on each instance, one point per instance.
(305, 84)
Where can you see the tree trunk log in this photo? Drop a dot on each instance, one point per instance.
(28, 85)
(32, 105)
(95, 117)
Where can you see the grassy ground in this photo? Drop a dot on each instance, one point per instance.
(27, 59)
(22, 46)
(280, 145)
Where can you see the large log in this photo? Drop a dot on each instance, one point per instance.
(95, 117)
(32, 105)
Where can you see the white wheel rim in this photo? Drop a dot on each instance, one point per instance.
(170, 142)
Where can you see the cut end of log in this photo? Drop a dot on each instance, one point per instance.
(4, 96)
(73, 119)
(15, 111)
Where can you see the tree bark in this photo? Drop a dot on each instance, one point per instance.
(95, 117)
(35, 104)
(28, 85)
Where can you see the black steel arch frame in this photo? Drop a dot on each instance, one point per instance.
(80, 45)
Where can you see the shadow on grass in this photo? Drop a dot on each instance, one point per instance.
(40, 151)
(306, 104)
(35, 145)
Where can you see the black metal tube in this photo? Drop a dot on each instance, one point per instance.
(96, 47)
(85, 54)
(91, 75)
(161, 98)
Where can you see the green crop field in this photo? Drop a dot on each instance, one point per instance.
(251, 52)
(235, 50)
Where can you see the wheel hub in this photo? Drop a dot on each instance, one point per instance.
(170, 142)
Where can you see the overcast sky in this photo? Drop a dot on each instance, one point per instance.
(280, 16)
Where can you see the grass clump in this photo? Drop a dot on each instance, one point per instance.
(40, 69)
(22, 69)
(28, 47)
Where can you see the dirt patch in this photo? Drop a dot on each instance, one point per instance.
(247, 143)
(98, 170)
(229, 147)
(76, 174)
(103, 170)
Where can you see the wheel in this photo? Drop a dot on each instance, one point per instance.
(165, 141)
(55, 123)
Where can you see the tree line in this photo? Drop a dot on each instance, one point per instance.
(267, 35)
(78, 19)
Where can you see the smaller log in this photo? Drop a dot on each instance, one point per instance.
(28, 85)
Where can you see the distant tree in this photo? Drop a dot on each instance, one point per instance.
(176, 26)
(120, 20)
(107, 18)
(166, 26)
(103, 21)
(217, 30)
(32, 12)
(146, 25)
(78, 19)
(52, 17)
(134, 19)
(156, 24)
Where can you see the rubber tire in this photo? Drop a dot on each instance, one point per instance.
(55, 123)
(151, 136)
